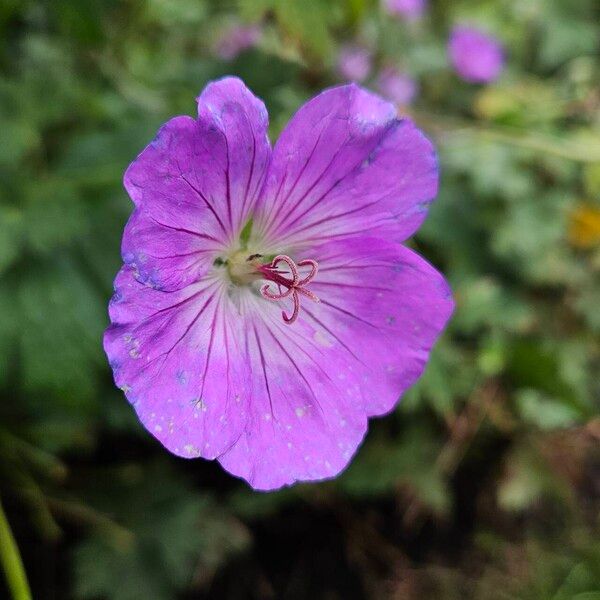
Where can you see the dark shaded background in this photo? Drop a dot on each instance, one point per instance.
(483, 484)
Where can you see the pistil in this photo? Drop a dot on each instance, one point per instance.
(288, 284)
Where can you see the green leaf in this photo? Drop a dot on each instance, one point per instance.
(54, 215)
(587, 596)
(306, 23)
(9, 327)
(61, 323)
(19, 137)
(527, 479)
(531, 366)
(184, 13)
(566, 34)
(253, 10)
(175, 534)
(11, 227)
(383, 464)
(450, 374)
(545, 412)
(592, 180)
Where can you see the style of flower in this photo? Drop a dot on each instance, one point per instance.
(410, 10)
(267, 307)
(396, 86)
(354, 63)
(476, 56)
(236, 39)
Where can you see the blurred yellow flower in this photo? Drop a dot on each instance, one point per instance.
(584, 226)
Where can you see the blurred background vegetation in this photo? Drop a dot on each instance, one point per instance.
(484, 484)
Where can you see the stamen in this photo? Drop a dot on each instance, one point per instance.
(292, 287)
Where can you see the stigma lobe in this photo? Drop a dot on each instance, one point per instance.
(288, 284)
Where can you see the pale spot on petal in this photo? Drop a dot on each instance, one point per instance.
(322, 339)
(191, 449)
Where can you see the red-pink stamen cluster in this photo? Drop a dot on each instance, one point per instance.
(292, 287)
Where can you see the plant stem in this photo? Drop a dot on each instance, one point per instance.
(11, 561)
(564, 147)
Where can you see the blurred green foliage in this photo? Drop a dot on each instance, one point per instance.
(483, 484)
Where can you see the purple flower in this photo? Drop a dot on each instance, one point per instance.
(408, 9)
(476, 56)
(267, 307)
(354, 63)
(396, 86)
(236, 39)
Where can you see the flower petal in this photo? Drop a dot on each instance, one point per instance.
(476, 56)
(195, 185)
(345, 165)
(179, 359)
(382, 307)
(243, 122)
(350, 356)
(303, 425)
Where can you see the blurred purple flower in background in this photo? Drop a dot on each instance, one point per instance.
(236, 39)
(354, 63)
(396, 86)
(408, 9)
(226, 229)
(476, 56)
